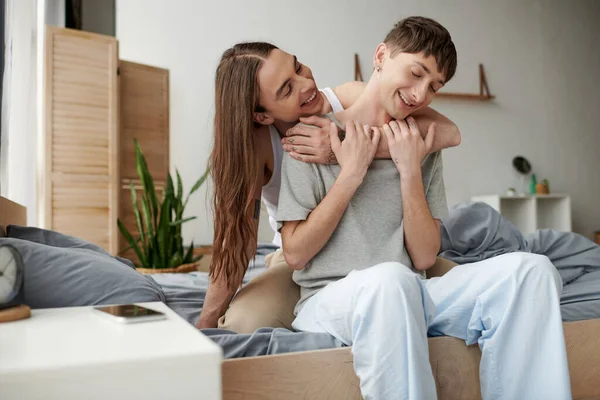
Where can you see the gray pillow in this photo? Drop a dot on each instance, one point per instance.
(56, 239)
(68, 277)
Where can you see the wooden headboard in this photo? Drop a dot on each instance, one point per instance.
(11, 213)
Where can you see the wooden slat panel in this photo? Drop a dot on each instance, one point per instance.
(81, 160)
(79, 138)
(77, 200)
(144, 115)
(68, 92)
(82, 75)
(91, 45)
(75, 111)
(151, 142)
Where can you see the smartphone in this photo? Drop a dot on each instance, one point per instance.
(130, 313)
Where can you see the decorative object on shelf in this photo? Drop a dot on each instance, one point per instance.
(11, 279)
(159, 244)
(546, 183)
(533, 184)
(484, 90)
(523, 167)
(511, 192)
(357, 71)
(543, 187)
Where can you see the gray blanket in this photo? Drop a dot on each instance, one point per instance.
(475, 231)
(266, 341)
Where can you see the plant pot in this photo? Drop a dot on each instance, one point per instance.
(184, 268)
(540, 188)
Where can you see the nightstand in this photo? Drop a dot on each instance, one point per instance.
(72, 353)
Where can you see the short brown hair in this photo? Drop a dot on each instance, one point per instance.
(424, 35)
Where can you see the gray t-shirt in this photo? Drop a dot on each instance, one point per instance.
(371, 230)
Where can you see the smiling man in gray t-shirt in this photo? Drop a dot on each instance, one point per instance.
(371, 230)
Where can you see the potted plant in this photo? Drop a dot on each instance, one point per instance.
(158, 244)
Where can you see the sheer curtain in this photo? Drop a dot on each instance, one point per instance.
(19, 145)
(5, 96)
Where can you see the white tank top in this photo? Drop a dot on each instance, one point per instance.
(270, 191)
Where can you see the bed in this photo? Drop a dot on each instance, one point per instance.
(329, 373)
(299, 375)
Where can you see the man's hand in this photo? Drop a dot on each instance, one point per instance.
(356, 152)
(310, 143)
(407, 148)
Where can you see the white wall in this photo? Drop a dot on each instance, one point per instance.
(541, 58)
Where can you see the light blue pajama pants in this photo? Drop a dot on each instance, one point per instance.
(509, 305)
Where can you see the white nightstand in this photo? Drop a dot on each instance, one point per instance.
(72, 353)
(532, 212)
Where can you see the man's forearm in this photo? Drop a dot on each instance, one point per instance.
(216, 302)
(421, 231)
(303, 240)
(447, 133)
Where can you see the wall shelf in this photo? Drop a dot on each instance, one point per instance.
(465, 96)
(483, 95)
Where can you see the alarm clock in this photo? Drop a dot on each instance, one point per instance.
(11, 279)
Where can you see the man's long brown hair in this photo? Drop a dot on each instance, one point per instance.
(234, 162)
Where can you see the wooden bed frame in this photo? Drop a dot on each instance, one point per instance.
(329, 374)
(11, 213)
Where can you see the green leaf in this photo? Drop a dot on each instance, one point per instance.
(169, 190)
(146, 179)
(178, 205)
(170, 249)
(132, 242)
(152, 196)
(176, 261)
(189, 254)
(182, 221)
(128, 247)
(196, 186)
(147, 222)
(138, 219)
(156, 251)
(179, 195)
(163, 233)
